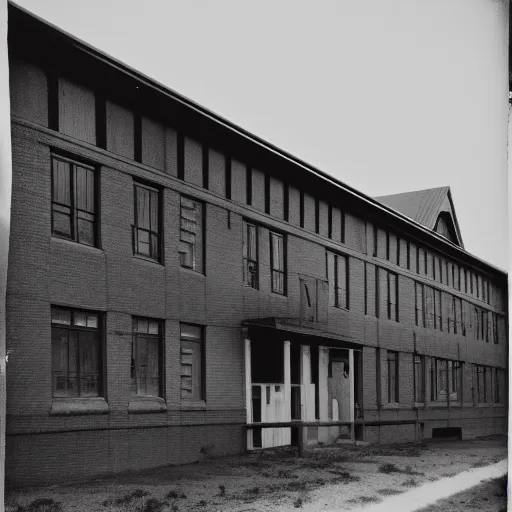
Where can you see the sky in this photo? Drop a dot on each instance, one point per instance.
(388, 96)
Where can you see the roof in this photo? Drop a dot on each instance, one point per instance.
(424, 206)
(48, 39)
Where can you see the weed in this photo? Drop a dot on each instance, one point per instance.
(479, 464)
(410, 483)
(388, 468)
(41, 505)
(151, 505)
(207, 449)
(364, 499)
(285, 473)
(174, 508)
(296, 486)
(171, 495)
(298, 502)
(127, 498)
(388, 492)
(202, 503)
(252, 490)
(409, 471)
(222, 490)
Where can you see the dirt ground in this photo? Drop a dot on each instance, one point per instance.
(490, 495)
(340, 477)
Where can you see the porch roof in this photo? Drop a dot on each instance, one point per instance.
(311, 333)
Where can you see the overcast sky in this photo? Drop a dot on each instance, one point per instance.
(386, 95)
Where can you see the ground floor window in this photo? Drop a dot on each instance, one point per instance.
(392, 377)
(146, 357)
(419, 378)
(76, 353)
(481, 384)
(192, 362)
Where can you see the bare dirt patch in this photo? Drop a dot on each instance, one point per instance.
(340, 477)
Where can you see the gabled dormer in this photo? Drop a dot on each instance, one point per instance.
(432, 208)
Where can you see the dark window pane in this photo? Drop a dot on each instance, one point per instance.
(61, 223)
(191, 371)
(85, 232)
(61, 316)
(61, 182)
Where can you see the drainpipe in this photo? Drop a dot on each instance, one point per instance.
(5, 213)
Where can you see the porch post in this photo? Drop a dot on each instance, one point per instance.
(305, 391)
(287, 411)
(351, 395)
(248, 389)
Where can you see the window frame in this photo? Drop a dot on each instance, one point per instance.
(75, 162)
(152, 188)
(160, 351)
(201, 269)
(283, 272)
(100, 340)
(419, 362)
(393, 391)
(336, 277)
(202, 351)
(481, 370)
(389, 301)
(246, 224)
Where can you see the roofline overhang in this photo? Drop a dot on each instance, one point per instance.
(183, 100)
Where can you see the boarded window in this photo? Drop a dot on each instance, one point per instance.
(250, 254)
(419, 378)
(192, 235)
(277, 263)
(146, 229)
(73, 201)
(192, 362)
(76, 353)
(337, 275)
(146, 357)
(393, 377)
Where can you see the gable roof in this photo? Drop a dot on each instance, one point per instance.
(424, 206)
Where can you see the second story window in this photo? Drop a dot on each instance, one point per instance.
(250, 254)
(74, 201)
(337, 276)
(277, 263)
(392, 297)
(146, 228)
(191, 235)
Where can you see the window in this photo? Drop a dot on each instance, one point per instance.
(392, 377)
(439, 379)
(455, 380)
(277, 263)
(458, 321)
(74, 201)
(498, 380)
(192, 235)
(392, 297)
(419, 305)
(440, 260)
(76, 353)
(438, 311)
(419, 378)
(250, 250)
(192, 362)
(481, 384)
(429, 307)
(478, 322)
(146, 367)
(337, 275)
(146, 231)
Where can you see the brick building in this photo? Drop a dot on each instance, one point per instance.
(172, 277)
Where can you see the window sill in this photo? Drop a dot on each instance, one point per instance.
(194, 405)
(281, 295)
(341, 308)
(419, 405)
(74, 243)
(394, 405)
(485, 405)
(139, 257)
(192, 271)
(250, 287)
(72, 406)
(146, 404)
